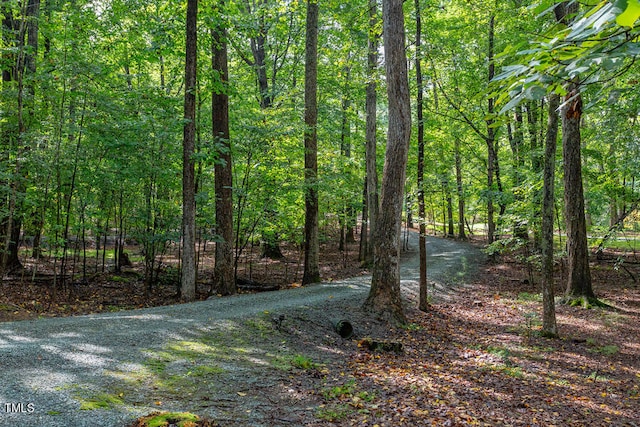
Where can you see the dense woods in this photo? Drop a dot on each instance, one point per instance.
(183, 128)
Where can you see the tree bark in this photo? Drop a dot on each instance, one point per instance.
(371, 128)
(516, 141)
(534, 114)
(423, 301)
(223, 274)
(384, 297)
(459, 188)
(490, 140)
(549, 326)
(18, 68)
(311, 244)
(188, 272)
(259, 54)
(579, 274)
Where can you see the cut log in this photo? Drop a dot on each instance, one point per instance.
(343, 328)
(252, 285)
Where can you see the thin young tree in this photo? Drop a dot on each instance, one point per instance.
(311, 244)
(223, 274)
(188, 272)
(459, 187)
(422, 239)
(492, 157)
(549, 326)
(384, 297)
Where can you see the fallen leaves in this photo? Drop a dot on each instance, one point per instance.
(470, 364)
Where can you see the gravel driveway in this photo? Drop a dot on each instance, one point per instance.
(55, 371)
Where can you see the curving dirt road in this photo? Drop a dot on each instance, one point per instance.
(222, 357)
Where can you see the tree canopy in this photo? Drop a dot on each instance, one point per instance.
(92, 120)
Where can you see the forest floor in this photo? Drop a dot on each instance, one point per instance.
(31, 293)
(475, 358)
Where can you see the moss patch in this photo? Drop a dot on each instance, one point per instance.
(179, 419)
(99, 401)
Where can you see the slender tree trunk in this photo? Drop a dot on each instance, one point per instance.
(423, 301)
(384, 297)
(364, 234)
(534, 113)
(459, 188)
(188, 272)
(223, 274)
(259, 55)
(579, 277)
(491, 156)
(347, 234)
(517, 144)
(311, 244)
(450, 228)
(549, 326)
(371, 128)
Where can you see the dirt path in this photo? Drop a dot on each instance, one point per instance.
(232, 359)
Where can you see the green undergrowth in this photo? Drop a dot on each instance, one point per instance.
(607, 350)
(179, 419)
(343, 400)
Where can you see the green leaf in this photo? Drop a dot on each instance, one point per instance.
(631, 12)
(512, 103)
(535, 92)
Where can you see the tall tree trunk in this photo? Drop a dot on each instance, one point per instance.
(371, 128)
(188, 273)
(18, 68)
(384, 297)
(223, 275)
(534, 114)
(311, 244)
(347, 234)
(490, 140)
(579, 274)
(549, 326)
(517, 144)
(423, 302)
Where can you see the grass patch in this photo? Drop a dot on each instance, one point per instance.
(155, 366)
(100, 401)
(162, 419)
(501, 352)
(529, 297)
(205, 371)
(263, 325)
(302, 362)
(339, 391)
(333, 413)
(607, 350)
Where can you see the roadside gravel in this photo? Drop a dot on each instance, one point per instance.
(55, 369)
